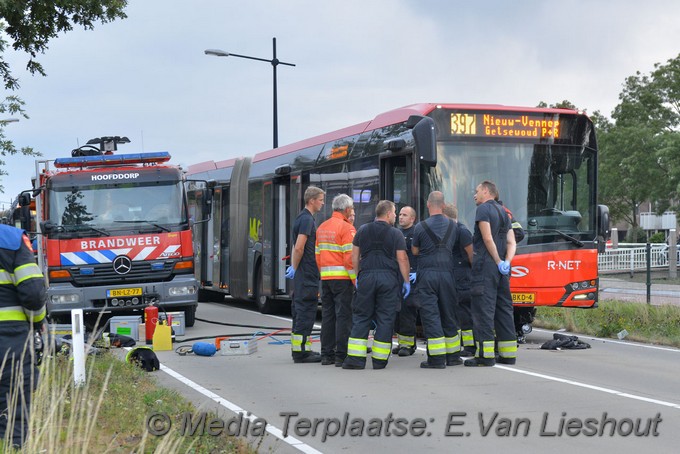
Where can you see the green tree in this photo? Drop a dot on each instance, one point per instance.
(28, 26)
(640, 149)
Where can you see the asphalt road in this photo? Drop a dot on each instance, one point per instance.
(614, 397)
(624, 289)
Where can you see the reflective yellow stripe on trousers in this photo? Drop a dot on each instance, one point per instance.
(381, 350)
(507, 349)
(357, 347)
(436, 346)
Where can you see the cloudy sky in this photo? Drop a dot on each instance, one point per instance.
(147, 78)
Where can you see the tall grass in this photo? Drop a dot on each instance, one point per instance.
(644, 323)
(109, 412)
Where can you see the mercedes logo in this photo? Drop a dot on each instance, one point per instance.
(122, 264)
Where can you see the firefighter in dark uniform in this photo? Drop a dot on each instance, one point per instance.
(406, 320)
(22, 309)
(433, 242)
(305, 274)
(494, 249)
(462, 270)
(382, 270)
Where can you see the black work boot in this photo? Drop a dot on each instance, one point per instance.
(501, 360)
(379, 363)
(453, 359)
(327, 360)
(434, 362)
(354, 363)
(307, 357)
(407, 351)
(480, 362)
(468, 351)
(339, 359)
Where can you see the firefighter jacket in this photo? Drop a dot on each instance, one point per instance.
(334, 248)
(22, 286)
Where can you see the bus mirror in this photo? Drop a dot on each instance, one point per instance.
(24, 199)
(394, 144)
(47, 226)
(603, 222)
(424, 138)
(282, 170)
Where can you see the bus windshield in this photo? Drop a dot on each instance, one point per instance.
(549, 188)
(111, 206)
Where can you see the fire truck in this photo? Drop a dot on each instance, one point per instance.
(114, 231)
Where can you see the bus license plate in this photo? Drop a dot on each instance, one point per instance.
(524, 298)
(121, 292)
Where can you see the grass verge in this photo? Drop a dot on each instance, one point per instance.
(644, 323)
(109, 413)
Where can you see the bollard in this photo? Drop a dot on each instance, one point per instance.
(672, 254)
(648, 250)
(78, 346)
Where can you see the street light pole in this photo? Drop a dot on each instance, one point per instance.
(274, 62)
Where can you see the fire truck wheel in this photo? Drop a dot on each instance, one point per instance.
(189, 315)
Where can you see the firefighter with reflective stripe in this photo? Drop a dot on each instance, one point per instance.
(305, 274)
(406, 320)
(22, 308)
(433, 242)
(381, 265)
(494, 249)
(462, 267)
(334, 259)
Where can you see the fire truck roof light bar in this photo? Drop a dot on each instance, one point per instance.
(111, 160)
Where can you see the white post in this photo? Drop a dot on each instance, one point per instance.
(78, 346)
(615, 237)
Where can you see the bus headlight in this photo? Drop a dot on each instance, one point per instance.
(65, 299)
(182, 291)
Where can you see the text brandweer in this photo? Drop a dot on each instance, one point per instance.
(120, 242)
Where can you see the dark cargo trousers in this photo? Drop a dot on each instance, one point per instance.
(438, 304)
(15, 393)
(336, 317)
(378, 299)
(492, 311)
(305, 303)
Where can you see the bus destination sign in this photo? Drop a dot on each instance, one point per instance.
(505, 125)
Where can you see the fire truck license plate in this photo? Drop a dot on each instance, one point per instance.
(524, 298)
(119, 292)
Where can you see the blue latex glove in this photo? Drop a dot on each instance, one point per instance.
(406, 289)
(412, 278)
(504, 267)
(290, 272)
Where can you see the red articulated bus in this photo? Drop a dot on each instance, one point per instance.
(543, 160)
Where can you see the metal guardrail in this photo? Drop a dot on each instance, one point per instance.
(632, 256)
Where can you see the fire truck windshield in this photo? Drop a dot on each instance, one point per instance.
(117, 205)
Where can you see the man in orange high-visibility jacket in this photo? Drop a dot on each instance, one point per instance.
(334, 258)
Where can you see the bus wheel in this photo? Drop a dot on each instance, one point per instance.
(264, 304)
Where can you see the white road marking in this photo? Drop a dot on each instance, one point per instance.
(275, 431)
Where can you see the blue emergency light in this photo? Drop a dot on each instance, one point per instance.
(113, 160)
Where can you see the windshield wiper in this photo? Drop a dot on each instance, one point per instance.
(144, 221)
(576, 241)
(81, 228)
